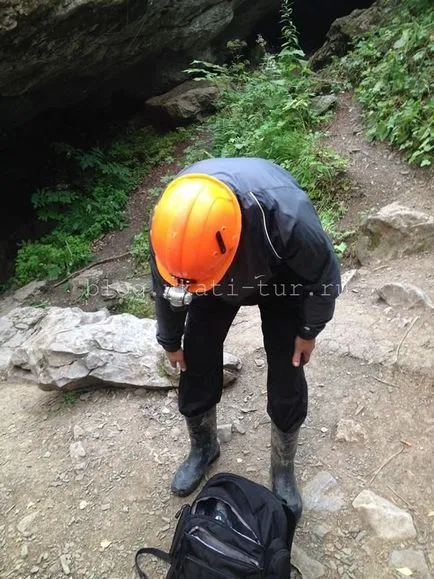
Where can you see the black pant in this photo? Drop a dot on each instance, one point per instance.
(208, 322)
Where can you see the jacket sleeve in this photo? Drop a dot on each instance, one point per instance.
(170, 324)
(310, 254)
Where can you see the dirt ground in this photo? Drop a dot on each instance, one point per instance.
(85, 479)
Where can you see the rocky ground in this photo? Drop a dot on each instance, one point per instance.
(85, 476)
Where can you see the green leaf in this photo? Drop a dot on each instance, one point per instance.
(402, 41)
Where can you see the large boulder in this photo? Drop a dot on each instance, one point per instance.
(404, 295)
(394, 231)
(346, 30)
(55, 54)
(190, 101)
(67, 348)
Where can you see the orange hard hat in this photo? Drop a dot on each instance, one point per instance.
(195, 231)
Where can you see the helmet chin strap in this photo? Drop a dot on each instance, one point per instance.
(178, 296)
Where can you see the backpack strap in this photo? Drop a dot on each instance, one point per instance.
(150, 551)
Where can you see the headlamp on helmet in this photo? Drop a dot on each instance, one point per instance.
(178, 297)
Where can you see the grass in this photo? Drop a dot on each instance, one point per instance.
(140, 305)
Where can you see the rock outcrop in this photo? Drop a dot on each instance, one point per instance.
(346, 30)
(67, 349)
(393, 232)
(55, 54)
(190, 101)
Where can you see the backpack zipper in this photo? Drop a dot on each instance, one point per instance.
(236, 513)
(210, 541)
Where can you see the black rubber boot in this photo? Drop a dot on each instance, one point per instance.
(283, 449)
(204, 450)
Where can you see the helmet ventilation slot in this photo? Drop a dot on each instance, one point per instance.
(220, 242)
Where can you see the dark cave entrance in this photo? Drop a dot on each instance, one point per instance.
(312, 18)
(26, 156)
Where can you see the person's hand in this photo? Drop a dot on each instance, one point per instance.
(176, 359)
(302, 352)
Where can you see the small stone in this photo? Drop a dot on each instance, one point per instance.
(412, 560)
(405, 571)
(260, 363)
(47, 454)
(76, 451)
(83, 505)
(322, 493)
(24, 524)
(64, 564)
(324, 429)
(322, 530)
(24, 551)
(175, 432)
(387, 520)
(307, 566)
(238, 427)
(224, 433)
(78, 432)
(105, 543)
(34, 570)
(105, 507)
(349, 430)
(333, 565)
(322, 103)
(232, 362)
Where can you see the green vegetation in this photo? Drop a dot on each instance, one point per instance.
(392, 71)
(71, 398)
(140, 246)
(269, 112)
(89, 201)
(328, 220)
(137, 304)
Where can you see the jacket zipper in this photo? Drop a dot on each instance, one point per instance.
(264, 222)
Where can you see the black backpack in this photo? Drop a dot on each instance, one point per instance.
(234, 529)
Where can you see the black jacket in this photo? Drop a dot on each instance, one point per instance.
(282, 241)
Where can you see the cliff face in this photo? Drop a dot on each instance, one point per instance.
(55, 53)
